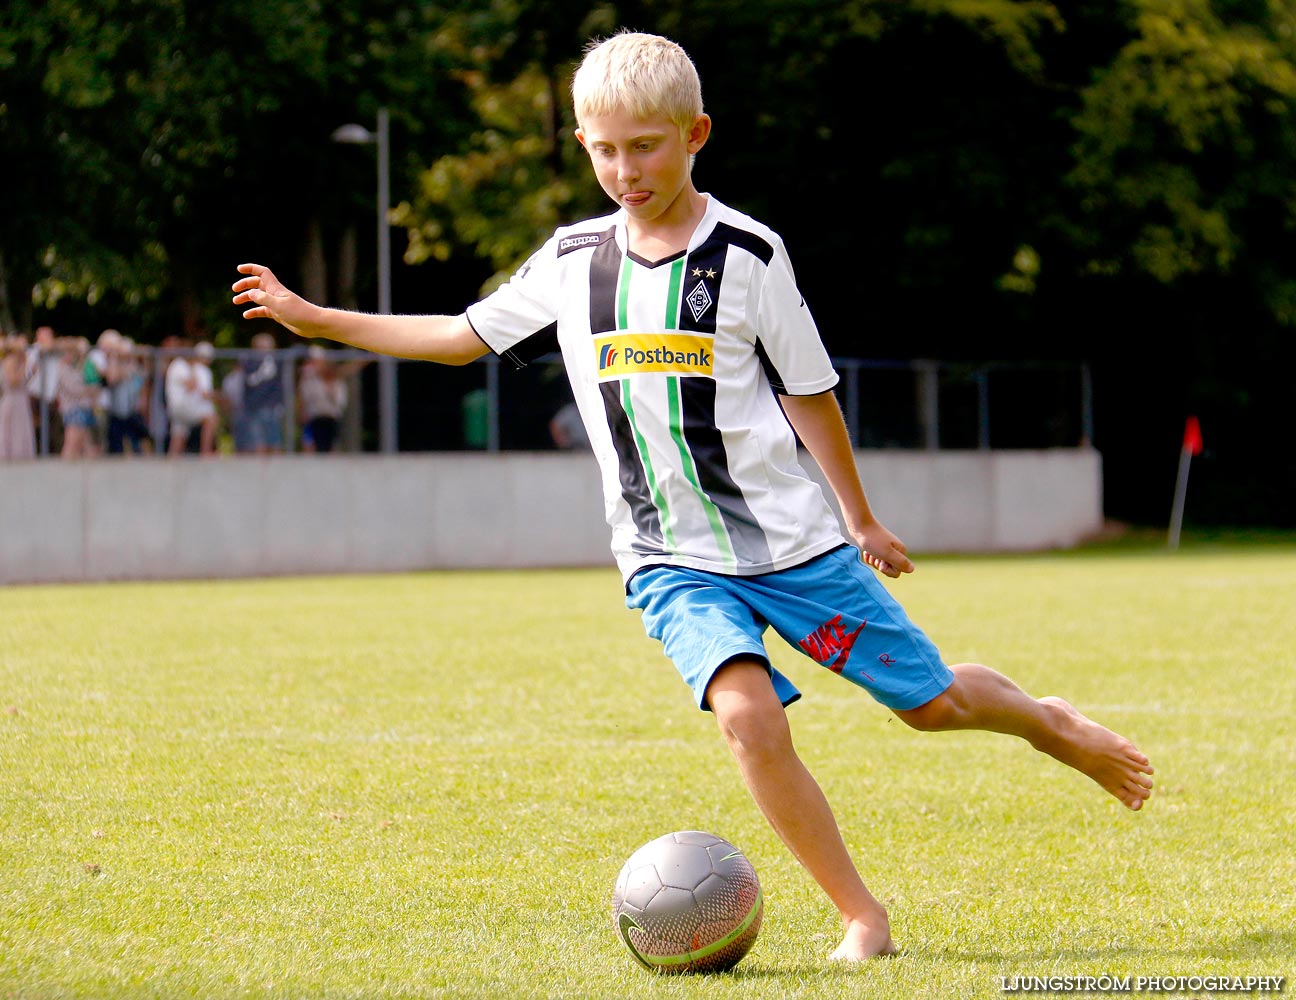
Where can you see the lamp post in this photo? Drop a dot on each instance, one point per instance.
(359, 135)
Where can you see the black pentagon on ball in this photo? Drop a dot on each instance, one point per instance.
(687, 902)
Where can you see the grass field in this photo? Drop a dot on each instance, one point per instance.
(424, 786)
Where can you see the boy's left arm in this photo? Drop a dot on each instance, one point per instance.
(818, 422)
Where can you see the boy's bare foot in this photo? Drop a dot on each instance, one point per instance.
(864, 941)
(1111, 760)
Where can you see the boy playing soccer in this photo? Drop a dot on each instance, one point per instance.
(690, 352)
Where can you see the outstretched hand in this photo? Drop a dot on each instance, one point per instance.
(269, 298)
(882, 550)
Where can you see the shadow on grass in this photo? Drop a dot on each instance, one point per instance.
(1266, 943)
(818, 970)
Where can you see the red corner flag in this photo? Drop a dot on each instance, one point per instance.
(1192, 445)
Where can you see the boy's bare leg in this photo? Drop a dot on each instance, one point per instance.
(756, 728)
(981, 698)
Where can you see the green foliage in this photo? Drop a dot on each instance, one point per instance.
(521, 173)
(1183, 161)
(424, 786)
(521, 179)
(1154, 138)
(148, 134)
(1015, 26)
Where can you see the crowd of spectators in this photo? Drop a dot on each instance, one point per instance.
(68, 397)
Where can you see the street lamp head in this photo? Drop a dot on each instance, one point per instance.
(354, 133)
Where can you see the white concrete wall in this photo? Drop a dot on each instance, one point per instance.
(111, 519)
(984, 501)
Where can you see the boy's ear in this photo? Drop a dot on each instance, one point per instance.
(580, 137)
(698, 133)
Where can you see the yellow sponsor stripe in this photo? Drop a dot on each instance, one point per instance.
(623, 354)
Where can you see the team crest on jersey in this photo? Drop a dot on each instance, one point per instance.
(699, 300)
(663, 353)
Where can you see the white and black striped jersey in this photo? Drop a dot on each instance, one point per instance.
(674, 365)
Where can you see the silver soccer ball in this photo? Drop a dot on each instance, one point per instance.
(688, 902)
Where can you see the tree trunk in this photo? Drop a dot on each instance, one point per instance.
(314, 268)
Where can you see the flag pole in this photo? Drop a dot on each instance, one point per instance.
(1192, 445)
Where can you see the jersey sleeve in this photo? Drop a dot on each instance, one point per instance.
(519, 320)
(787, 339)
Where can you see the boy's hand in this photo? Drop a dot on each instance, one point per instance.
(882, 550)
(270, 298)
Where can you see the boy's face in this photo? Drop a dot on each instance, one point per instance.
(643, 163)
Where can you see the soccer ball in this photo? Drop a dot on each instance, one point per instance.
(688, 902)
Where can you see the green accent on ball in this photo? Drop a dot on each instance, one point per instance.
(625, 922)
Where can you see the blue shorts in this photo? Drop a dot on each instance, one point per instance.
(263, 429)
(80, 416)
(832, 608)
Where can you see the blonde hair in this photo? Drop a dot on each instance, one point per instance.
(643, 74)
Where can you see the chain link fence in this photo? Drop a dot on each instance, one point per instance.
(487, 406)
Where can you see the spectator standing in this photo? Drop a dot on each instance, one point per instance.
(263, 396)
(142, 417)
(96, 373)
(158, 420)
(190, 401)
(231, 404)
(568, 429)
(126, 394)
(17, 433)
(322, 399)
(77, 399)
(42, 382)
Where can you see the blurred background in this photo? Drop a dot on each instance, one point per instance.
(1080, 216)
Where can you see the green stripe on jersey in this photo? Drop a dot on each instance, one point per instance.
(623, 294)
(689, 467)
(673, 294)
(659, 501)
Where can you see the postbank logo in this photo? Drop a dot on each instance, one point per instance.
(665, 353)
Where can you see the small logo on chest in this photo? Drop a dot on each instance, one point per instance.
(699, 300)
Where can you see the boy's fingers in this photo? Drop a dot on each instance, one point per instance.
(898, 564)
(879, 564)
(258, 275)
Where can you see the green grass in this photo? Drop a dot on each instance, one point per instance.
(424, 786)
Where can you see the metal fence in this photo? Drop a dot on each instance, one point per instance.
(928, 405)
(487, 406)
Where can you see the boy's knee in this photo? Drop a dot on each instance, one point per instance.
(756, 731)
(940, 713)
(749, 714)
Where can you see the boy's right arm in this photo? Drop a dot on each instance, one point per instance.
(446, 339)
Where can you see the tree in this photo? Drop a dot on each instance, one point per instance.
(151, 144)
(521, 174)
(1185, 147)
